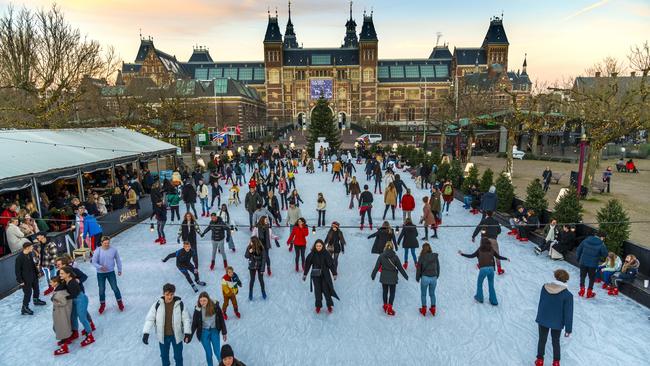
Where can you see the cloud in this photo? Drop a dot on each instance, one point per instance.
(586, 9)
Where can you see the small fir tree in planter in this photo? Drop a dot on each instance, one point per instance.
(535, 197)
(568, 209)
(487, 179)
(443, 172)
(471, 179)
(615, 222)
(505, 193)
(456, 173)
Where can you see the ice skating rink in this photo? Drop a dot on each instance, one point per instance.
(284, 330)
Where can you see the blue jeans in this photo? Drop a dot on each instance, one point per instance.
(428, 283)
(81, 311)
(467, 200)
(112, 281)
(170, 341)
(489, 273)
(406, 255)
(211, 344)
(205, 207)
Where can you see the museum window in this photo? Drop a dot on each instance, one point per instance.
(411, 114)
(396, 114)
(368, 75)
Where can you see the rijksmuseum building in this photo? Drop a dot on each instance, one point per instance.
(361, 87)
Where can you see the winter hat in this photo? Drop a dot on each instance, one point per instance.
(335, 223)
(226, 351)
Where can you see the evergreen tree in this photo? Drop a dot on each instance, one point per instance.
(487, 179)
(456, 173)
(536, 197)
(443, 172)
(322, 125)
(505, 193)
(471, 179)
(568, 209)
(615, 222)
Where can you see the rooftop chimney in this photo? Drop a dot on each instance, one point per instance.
(633, 74)
(614, 74)
(597, 74)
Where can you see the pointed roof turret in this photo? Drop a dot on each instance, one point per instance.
(273, 30)
(350, 40)
(368, 32)
(290, 40)
(523, 71)
(496, 34)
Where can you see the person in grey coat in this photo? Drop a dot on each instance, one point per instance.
(389, 264)
(408, 238)
(427, 272)
(61, 312)
(489, 201)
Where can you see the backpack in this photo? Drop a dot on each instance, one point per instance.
(448, 190)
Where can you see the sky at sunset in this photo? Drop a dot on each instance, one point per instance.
(561, 37)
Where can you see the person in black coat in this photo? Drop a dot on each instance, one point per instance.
(566, 240)
(187, 233)
(382, 236)
(546, 177)
(320, 262)
(529, 224)
(408, 238)
(27, 277)
(390, 265)
(272, 203)
(491, 225)
(184, 264)
(188, 195)
(255, 253)
(335, 242)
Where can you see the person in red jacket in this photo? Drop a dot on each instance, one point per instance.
(407, 204)
(298, 238)
(7, 214)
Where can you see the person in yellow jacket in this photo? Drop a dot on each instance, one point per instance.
(230, 284)
(131, 197)
(336, 170)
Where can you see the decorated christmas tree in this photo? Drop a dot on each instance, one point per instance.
(536, 197)
(568, 209)
(505, 193)
(614, 221)
(471, 179)
(323, 125)
(487, 179)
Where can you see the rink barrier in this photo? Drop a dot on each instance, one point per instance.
(634, 289)
(112, 224)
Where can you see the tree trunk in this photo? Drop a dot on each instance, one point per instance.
(191, 144)
(533, 144)
(509, 162)
(443, 140)
(593, 160)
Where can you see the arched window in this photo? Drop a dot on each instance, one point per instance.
(381, 117)
(396, 114)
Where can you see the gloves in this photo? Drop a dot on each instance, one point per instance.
(178, 240)
(164, 260)
(188, 337)
(277, 243)
(145, 338)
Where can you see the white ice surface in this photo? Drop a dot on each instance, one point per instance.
(284, 330)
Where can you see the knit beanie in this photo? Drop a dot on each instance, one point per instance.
(226, 351)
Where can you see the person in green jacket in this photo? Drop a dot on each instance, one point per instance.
(174, 201)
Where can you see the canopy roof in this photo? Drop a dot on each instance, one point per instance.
(47, 154)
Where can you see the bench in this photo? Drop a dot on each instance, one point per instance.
(597, 185)
(556, 177)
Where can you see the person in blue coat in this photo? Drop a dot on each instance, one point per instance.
(554, 313)
(590, 253)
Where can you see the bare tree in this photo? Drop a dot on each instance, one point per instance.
(43, 61)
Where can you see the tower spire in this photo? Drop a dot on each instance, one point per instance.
(523, 71)
(350, 40)
(289, 10)
(289, 34)
(350, 10)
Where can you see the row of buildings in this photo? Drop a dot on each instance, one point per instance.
(282, 88)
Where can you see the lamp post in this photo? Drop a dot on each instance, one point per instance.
(583, 145)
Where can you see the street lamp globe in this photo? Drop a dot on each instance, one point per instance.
(394, 146)
(292, 145)
(250, 148)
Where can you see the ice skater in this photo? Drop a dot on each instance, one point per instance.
(390, 265)
(184, 264)
(319, 264)
(485, 254)
(298, 239)
(427, 272)
(207, 323)
(255, 255)
(220, 233)
(554, 313)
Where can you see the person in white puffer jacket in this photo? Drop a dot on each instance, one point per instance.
(171, 330)
(203, 192)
